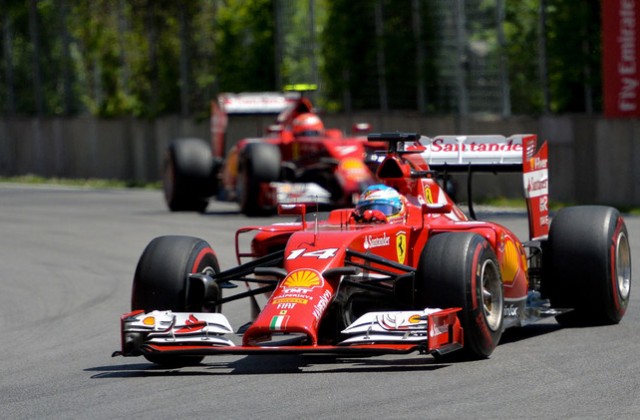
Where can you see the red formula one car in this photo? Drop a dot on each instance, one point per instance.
(405, 270)
(298, 160)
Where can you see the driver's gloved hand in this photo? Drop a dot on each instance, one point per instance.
(370, 216)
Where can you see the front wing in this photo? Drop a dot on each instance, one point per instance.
(299, 192)
(435, 331)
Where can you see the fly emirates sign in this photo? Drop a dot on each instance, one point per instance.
(620, 57)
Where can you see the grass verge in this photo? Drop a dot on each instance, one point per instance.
(88, 183)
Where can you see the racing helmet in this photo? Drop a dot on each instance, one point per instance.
(382, 198)
(307, 124)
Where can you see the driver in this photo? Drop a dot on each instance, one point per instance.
(307, 124)
(381, 203)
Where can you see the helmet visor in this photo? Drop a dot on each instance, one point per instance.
(386, 208)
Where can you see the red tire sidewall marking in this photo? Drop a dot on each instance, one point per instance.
(480, 321)
(474, 277)
(614, 274)
(203, 252)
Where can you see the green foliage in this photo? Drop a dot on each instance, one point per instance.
(574, 50)
(572, 38)
(245, 46)
(521, 32)
(350, 61)
(400, 49)
(148, 58)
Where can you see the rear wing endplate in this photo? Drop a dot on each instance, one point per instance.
(535, 177)
(495, 153)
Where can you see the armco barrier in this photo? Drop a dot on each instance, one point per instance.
(592, 160)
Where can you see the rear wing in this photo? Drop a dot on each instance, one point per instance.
(481, 153)
(494, 153)
(260, 103)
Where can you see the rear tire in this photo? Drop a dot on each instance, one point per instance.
(461, 270)
(188, 175)
(160, 280)
(259, 163)
(587, 265)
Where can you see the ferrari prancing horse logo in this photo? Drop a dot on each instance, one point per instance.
(427, 195)
(401, 246)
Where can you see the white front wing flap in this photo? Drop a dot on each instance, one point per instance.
(163, 327)
(308, 192)
(395, 326)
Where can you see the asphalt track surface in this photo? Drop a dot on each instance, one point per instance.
(67, 258)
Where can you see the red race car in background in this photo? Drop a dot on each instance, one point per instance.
(405, 270)
(297, 160)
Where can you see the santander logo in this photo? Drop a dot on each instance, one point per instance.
(371, 242)
(536, 183)
(439, 145)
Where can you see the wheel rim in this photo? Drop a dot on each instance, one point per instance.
(492, 301)
(623, 266)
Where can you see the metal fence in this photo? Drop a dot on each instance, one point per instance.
(468, 47)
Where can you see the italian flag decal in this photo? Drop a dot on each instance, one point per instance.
(279, 322)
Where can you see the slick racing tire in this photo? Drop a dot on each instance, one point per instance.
(160, 281)
(461, 270)
(587, 265)
(259, 163)
(188, 175)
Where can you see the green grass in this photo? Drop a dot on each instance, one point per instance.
(519, 203)
(87, 183)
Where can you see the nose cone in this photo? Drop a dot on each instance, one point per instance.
(296, 306)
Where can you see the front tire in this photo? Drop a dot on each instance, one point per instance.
(587, 265)
(160, 281)
(461, 270)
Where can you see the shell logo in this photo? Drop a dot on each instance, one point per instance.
(351, 163)
(295, 150)
(232, 164)
(355, 169)
(415, 319)
(303, 278)
(511, 262)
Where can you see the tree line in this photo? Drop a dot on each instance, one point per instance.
(148, 58)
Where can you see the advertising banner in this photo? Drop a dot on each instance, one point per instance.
(620, 57)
